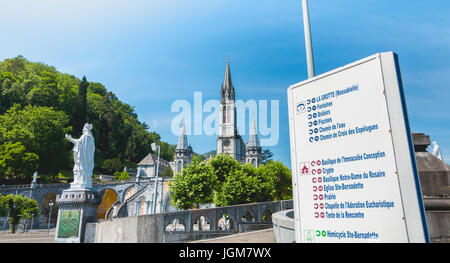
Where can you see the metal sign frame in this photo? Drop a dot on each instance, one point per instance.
(408, 180)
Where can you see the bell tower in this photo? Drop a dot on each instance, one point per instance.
(253, 152)
(229, 141)
(183, 152)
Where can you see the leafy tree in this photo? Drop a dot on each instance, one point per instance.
(224, 165)
(81, 108)
(240, 187)
(193, 186)
(167, 150)
(41, 130)
(117, 130)
(112, 165)
(266, 156)
(239, 184)
(16, 162)
(167, 173)
(45, 91)
(29, 208)
(276, 180)
(18, 207)
(121, 176)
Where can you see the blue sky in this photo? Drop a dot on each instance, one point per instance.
(151, 53)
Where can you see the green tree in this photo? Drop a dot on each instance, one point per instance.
(41, 130)
(18, 207)
(29, 209)
(44, 92)
(266, 156)
(81, 108)
(113, 165)
(224, 165)
(16, 162)
(121, 176)
(167, 173)
(240, 187)
(117, 130)
(276, 180)
(195, 185)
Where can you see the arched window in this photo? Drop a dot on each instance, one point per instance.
(179, 166)
(224, 110)
(108, 199)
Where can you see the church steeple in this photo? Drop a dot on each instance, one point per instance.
(253, 152)
(228, 140)
(227, 91)
(182, 139)
(183, 152)
(253, 140)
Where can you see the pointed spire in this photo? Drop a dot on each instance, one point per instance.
(253, 127)
(253, 140)
(182, 139)
(227, 91)
(227, 80)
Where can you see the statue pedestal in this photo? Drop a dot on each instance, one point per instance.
(80, 186)
(77, 207)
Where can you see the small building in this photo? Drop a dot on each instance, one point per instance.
(147, 167)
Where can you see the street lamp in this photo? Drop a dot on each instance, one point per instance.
(50, 216)
(32, 221)
(154, 146)
(13, 226)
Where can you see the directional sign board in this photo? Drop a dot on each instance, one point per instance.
(353, 164)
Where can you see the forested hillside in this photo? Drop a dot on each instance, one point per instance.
(38, 105)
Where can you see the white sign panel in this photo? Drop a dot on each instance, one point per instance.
(353, 167)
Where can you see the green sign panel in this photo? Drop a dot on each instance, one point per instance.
(69, 222)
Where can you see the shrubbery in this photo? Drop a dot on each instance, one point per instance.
(224, 181)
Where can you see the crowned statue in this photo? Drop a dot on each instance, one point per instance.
(83, 157)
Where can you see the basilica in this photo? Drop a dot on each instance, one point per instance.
(228, 141)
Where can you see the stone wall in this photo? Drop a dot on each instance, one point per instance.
(434, 177)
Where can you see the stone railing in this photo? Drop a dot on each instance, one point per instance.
(63, 185)
(188, 225)
(122, 210)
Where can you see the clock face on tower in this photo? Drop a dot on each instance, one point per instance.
(226, 142)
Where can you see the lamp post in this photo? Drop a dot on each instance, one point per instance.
(12, 224)
(32, 221)
(50, 216)
(155, 195)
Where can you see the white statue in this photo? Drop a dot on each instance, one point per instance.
(83, 157)
(437, 151)
(35, 177)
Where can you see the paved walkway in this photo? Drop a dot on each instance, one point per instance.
(260, 236)
(30, 237)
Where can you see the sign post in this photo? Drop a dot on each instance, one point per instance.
(354, 172)
(308, 41)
